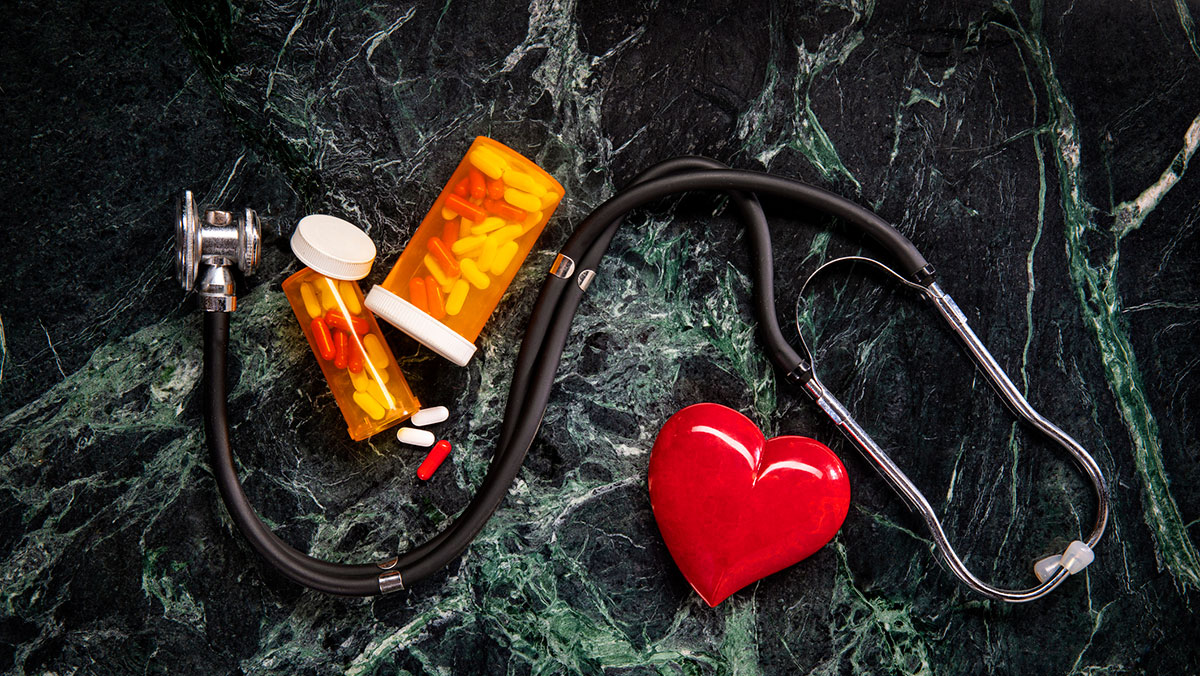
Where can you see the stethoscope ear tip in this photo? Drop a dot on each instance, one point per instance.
(1075, 558)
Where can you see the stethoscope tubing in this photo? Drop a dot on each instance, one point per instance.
(538, 360)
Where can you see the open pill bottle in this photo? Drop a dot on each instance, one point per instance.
(363, 375)
(467, 249)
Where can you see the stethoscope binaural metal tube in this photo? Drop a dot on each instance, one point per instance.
(1015, 401)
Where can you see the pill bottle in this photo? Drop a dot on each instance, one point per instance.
(467, 249)
(366, 382)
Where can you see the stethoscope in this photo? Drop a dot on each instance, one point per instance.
(210, 243)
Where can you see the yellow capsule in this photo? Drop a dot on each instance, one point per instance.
(375, 351)
(328, 294)
(448, 215)
(382, 395)
(458, 296)
(436, 270)
(506, 234)
(360, 380)
(522, 200)
(490, 247)
(311, 304)
(346, 288)
(549, 199)
(503, 258)
(488, 225)
(487, 161)
(466, 245)
(383, 376)
(522, 181)
(531, 221)
(478, 279)
(369, 405)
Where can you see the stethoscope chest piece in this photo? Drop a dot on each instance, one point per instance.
(217, 240)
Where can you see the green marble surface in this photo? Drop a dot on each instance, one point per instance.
(1036, 153)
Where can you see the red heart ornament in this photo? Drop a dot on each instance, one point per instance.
(733, 506)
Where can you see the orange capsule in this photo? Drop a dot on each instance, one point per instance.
(505, 210)
(416, 293)
(434, 460)
(355, 362)
(341, 341)
(495, 189)
(337, 320)
(464, 208)
(444, 257)
(462, 189)
(478, 184)
(323, 339)
(437, 305)
(450, 233)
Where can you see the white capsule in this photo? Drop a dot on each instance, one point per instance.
(415, 437)
(430, 416)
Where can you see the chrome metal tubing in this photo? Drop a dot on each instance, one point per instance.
(845, 421)
(1004, 387)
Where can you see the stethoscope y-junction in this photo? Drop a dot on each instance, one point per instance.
(217, 241)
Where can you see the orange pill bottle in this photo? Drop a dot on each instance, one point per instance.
(366, 382)
(467, 250)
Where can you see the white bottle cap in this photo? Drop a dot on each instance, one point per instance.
(333, 247)
(417, 323)
(430, 416)
(415, 437)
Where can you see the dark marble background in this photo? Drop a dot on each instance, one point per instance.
(1037, 154)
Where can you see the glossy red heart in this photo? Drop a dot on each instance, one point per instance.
(734, 507)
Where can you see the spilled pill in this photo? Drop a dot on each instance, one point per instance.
(430, 416)
(415, 437)
(434, 460)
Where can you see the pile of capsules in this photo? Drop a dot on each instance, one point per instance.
(424, 438)
(344, 338)
(485, 213)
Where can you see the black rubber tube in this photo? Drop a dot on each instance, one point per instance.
(907, 258)
(266, 543)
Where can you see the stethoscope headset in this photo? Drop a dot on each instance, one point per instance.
(210, 243)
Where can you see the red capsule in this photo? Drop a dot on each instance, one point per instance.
(337, 320)
(416, 293)
(434, 460)
(450, 232)
(323, 339)
(444, 257)
(355, 362)
(341, 341)
(505, 210)
(437, 303)
(495, 189)
(462, 189)
(464, 208)
(478, 184)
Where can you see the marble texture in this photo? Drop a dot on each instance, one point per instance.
(1036, 153)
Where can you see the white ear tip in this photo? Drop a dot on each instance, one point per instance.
(1077, 557)
(1045, 568)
